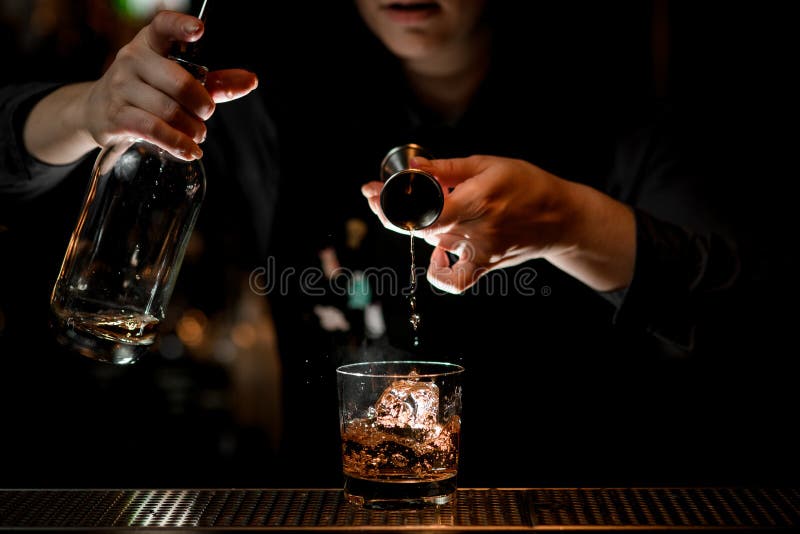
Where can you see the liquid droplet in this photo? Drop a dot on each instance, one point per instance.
(414, 320)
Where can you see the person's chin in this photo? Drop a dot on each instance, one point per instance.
(413, 47)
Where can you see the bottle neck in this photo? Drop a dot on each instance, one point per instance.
(198, 71)
(187, 54)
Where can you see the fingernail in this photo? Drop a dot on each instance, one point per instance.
(191, 27)
(205, 112)
(191, 153)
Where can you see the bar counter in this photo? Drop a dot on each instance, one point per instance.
(750, 509)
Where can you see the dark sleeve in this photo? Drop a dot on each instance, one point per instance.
(22, 176)
(687, 252)
(677, 270)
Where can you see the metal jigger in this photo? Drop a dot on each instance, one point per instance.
(411, 199)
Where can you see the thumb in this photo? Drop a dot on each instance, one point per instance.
(169, 26)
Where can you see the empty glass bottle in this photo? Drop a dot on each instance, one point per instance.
(126, 250)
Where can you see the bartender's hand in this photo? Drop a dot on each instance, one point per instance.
(142, 94)
(502, 212)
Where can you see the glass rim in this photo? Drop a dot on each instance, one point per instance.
(351, 369)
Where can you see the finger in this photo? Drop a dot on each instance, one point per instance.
(451, 172)
(160, 105)
(374, 200)
(462, 205)
(372, 192)
(176, 82)
(440, 272)
(170, 26)
(371, 189)
(230, 84)
(166, 75)
(451, 242)
(135, 122)
(439, 259)
(456, 279)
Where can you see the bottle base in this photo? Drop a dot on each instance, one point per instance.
(98, 347)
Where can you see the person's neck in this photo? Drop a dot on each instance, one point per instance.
(447, 83)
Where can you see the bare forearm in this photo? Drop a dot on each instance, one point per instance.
(55, 131)
(603, 252)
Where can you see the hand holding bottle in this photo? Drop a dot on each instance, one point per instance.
(145, 192)
(143, 94)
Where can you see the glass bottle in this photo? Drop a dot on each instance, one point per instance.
(126, 250)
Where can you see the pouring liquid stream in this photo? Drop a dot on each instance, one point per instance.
(414, 317)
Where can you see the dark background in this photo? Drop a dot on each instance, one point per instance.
(205, 414)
